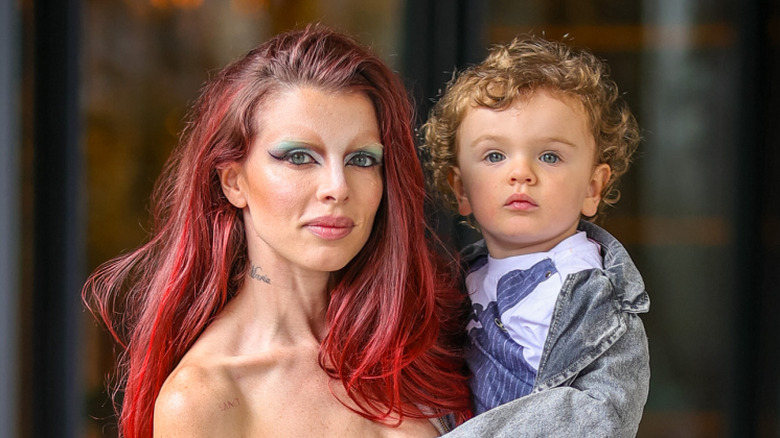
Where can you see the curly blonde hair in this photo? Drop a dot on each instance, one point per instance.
(517, 69)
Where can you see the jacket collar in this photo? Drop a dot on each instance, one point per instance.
(629, 286)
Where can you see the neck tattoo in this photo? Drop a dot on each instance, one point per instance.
(256, 272)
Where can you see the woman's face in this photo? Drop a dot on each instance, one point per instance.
(311, 183)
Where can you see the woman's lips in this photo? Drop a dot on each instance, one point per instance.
(520, 202)
(331, 227)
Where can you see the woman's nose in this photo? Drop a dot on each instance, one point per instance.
(333, 185)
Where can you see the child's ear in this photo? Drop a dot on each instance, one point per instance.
(230, 178)
(599, 179)
(456, 183)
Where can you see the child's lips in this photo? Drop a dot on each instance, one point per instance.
(520, 202)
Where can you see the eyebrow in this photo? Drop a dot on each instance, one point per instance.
(288, 145)
(554, 139)
(292, 144)
(373, 145)
(502, 139)
(485, 137)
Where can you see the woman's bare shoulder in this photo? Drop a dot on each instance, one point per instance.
(198, 400)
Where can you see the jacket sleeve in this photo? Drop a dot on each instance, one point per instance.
(605, 399)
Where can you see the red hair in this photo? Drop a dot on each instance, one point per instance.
(395, 314)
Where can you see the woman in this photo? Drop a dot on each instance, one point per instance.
(288, 289)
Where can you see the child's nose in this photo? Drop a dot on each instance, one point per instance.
(522, 172)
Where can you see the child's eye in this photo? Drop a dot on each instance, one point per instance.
(363, 159)
(549, 158)
(495, 157)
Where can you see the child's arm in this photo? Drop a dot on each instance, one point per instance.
(605, 399)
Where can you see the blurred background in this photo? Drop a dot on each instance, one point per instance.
(92, 97)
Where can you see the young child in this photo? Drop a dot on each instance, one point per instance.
(531, 142)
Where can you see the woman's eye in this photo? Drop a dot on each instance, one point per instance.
(494, 157)
(299, 158)
(363, 160)
(549, 158)
(295, 153)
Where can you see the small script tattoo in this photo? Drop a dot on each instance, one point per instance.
(257, 273)
(229, 404)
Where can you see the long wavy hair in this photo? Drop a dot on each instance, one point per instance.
(395, 313)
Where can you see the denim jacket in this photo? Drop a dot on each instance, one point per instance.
(594, 373)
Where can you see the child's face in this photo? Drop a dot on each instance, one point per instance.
(527, 172)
